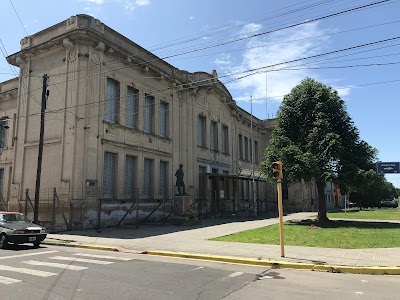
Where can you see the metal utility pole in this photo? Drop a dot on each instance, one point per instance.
(40, 152)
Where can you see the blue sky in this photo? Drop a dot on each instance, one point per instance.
(366, 76)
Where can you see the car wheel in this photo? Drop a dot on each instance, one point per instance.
(36, 244)
(3, 241)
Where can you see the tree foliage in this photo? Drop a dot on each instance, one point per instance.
(374, 188)
(316, 139)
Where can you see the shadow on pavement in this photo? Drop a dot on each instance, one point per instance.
(144, 231)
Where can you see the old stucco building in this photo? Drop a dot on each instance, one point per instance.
(119, 121)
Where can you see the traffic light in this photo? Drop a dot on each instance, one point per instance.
(277, 172)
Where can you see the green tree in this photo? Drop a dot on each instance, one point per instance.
(316, 139)
(372, 188)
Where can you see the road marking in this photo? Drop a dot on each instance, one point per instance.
(27, 271)
(103, 256)
(359, 293)
(54, 265)
(90, 261)
(28, 254)
(7, 280)
(198, 268)
(235, 274)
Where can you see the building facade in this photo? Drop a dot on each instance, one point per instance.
(118, 123)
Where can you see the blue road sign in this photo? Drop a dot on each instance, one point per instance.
(387, 167)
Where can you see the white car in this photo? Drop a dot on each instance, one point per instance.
(15, 228)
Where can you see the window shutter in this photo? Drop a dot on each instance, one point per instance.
(130, 176)
(109, 175)
(148, 114)
(163, 178)
(147, 177)
(163, 119)
(112, 101)
(132, 107)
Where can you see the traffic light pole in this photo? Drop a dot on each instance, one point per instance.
(280, 211)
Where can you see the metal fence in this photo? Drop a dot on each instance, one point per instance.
(82, 209)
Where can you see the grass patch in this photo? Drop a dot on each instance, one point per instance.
(333, 234)
(371, 214)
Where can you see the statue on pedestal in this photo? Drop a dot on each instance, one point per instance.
(179, 180)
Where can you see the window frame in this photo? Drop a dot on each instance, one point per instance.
(113, 173)
(164, 126)
(134, 110)
(240, 142)
(201, 131)
(112, 108)
(133, 183)
(225, 139)
(214, 136)
(148, 123)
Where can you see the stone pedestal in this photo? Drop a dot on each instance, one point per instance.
(181, 205)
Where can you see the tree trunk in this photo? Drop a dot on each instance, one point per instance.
(322, 217)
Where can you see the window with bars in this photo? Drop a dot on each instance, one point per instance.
(109, 175)
(240, 146)
(112, 101)
(130, 177)
(163, 119)
(132, 107)
(201, 129)
(225, 139)
(214, 136)
(202, 181)
(246, 148)
(3, 133)
(163, 178)
(149, 114)
(148, 178)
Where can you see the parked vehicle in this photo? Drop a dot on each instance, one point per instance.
(15, 228)
(389, 203)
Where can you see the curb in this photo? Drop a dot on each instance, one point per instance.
(282, 264)
(244, 261)
(91, 247)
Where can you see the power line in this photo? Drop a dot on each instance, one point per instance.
(248, 37)
(222, 28)
(209, 80)
(279, 29)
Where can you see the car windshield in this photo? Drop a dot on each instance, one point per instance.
(13, 218)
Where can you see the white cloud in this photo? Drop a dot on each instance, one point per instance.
(273, 49)
(129, 5)
(223, 60)
(343, 91)
(142, 2)
(192, 17)
(250, 28)
(99, 2)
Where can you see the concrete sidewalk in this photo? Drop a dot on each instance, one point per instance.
(194, 240)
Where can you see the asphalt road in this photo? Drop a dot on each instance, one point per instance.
(54, 272)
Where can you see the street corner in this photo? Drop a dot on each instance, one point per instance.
(281, 264)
